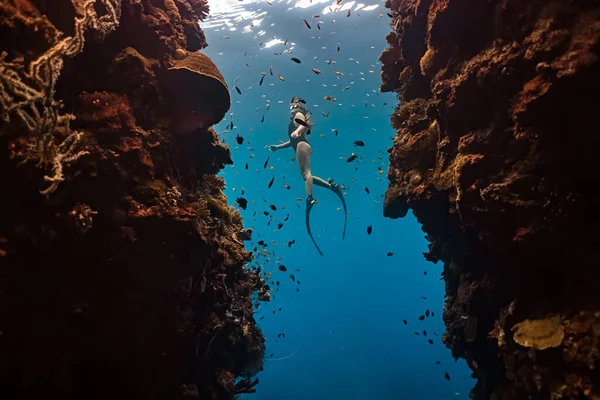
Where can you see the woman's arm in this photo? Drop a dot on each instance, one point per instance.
(274, 147)
(299, 132)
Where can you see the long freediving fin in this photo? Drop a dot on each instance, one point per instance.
(310, 201)
(337, 189)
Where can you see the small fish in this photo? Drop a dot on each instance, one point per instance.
(282, 268)
(279, 225)
(291, 242)
(389, 254)
(431, 342)
(421, 317)
(261, 80)
(326, 115)
(266, 213)
(296, 60)
(369, 229)
(237, 89)
(306, 23)
(271, 70)
(367, 190)
(266, 162)
(349, 13)
(273, 207)
(262, 119)
(359, 143)
(239, 139)
(319, 25)
(281, 78)
(447, 376)
(427, 313)
(405, 322)
(286, 186)
(347, 87)
(242, 202)
(286, 42)
(226, 37)
(327, 97)
(271, 183)
(352, 158)
(286, 218)
(246, 165)
(316, 71)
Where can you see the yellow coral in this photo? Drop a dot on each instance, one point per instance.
(427, 62)
(539, 334)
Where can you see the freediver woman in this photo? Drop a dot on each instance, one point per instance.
(298, 129)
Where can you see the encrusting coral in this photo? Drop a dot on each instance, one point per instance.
(128, 276)
(539, 334)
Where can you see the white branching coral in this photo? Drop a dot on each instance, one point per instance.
(27, 94)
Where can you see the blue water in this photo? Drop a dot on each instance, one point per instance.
(342, 317)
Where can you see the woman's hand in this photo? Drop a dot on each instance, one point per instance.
(272, 147)
(298, 132)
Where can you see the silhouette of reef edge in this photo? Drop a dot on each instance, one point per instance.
(126, 277)
(496, 153)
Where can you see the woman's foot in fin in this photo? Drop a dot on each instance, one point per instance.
(337, 189)
(310, 202)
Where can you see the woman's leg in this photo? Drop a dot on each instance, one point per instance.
(303, 157)
(320, 182)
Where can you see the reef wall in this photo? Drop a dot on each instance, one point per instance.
(122, 267)
(496, 154)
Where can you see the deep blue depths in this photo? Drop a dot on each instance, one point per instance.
(342, 318)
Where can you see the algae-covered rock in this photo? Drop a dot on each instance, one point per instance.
(539, 334)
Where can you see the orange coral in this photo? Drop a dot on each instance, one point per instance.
(106, 113)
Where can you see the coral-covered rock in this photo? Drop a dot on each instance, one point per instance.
(495, 152)
(129, 278)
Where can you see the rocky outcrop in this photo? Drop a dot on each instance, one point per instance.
(495, 152)
(123, 272)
